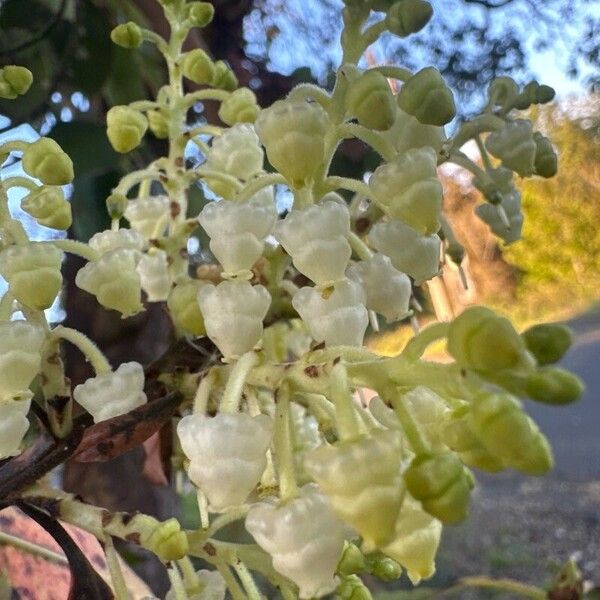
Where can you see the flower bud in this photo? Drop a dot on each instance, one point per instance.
(112, 394)
(385, 568)
(125, 128)
(45, 160)
(239, 107)
(198, 67)
(127, 35)
(48, 206)
(211, 586)
(20, 358)
(114, 280)
(33, 273)
(352, 560)
(200, 14)
(481, 340)
(13, 425)
(508, 433)
(534, 93)
(236, 153)
(224, 78)
(304, 538)
(408, 16)
(227, 454)
(548, 342)
(413, 254)
(388, 290)
(293, 136)
(407, 133)
(158, 124)
(416, 539)
(353, 588)
(109, 240)
(155, 278)
(233, 314)
(503, 92)
(511, 205)
(316, 239)
(363, 482)
(552, 385)
(409, 189)
(116, 204)
(442, 484)
(14, 81)
(237, 231)
(183, 307)
(336, 315)
(546, 161)
(427, 97)
(514, 146)
(145, 215)
(371, 101)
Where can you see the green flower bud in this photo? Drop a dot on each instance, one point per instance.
(371, 101)
(352, 588)
(503, 91)
(184, 309)
(352, 560)
(14, 81)
(116, 204)
(384, 568)
(198, 67)
(510, 434)
(240, 107)
(427, 97)
(546, 161)
(45, 160)
(200, 14)
(545, 94)
(534, 93)
(293, 136)
(49, 207)
(125, 128)
(442, 484)
(481, 340)
(408, 16)
(552, 385)
(127, 35)
(224, 78)
(158, 124)
(548, 342)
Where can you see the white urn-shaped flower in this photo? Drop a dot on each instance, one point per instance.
(145, 215)
(155, 278)
(13, 425)
(107, 241)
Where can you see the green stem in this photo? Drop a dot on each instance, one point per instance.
(177, 583)
(346, 183)
(382, 146)
(203, 392)
(94, 355)
(346, 419)
(360, 248)
(190, 577)
(13, 146)
(462, 160)
(417, 345)
(392, 72)
(235, 383)
(132, 179)
(75, 247)
(21, 182)
(207, 94)
(485, 157)
(247, 581)
(218, 175)
(114, 568)
(507, 585)
(304, 91)
(478, 125)
(16, 542)
(284, 453)
(232, 585)
(6, 306)
(410, 425)
(258, 183)
(370, 35)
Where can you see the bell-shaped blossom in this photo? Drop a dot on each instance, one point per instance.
(33, 272)
(305, 436)
(407, 132)
(335, 315)
(316, 239)
(430, 410)
(416, 539)
(183, 306)
(107, 241)
(409, 189)
(210, 586)
(233, 315)
(511, 204)
(20, 358)
(388, 290)
(227, 454)
(114, 280)
(237, 230)
(514, 146)
(304, 537)
(155, 277)
(363, 482)
(111, 394)
(145, 215)
(13, 425)
(237, 153)
(413, 254)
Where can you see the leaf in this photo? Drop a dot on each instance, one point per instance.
(86, 584)
(115, 436)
